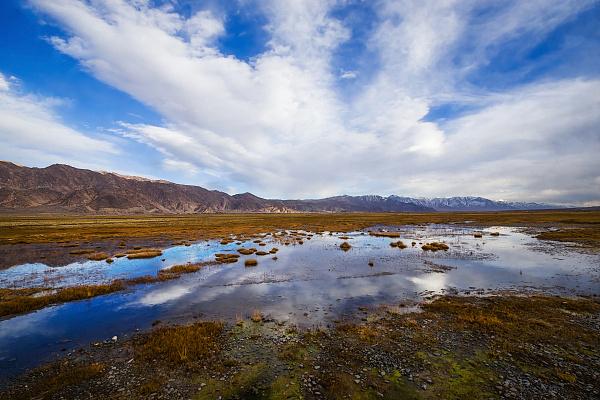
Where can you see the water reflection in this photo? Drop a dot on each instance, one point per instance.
(308, 284)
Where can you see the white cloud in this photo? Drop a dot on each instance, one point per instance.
(348, 75)
(31, 131)
(278, 126)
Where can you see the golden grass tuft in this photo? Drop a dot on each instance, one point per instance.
(256, 316)
(345, 246)
(261, 253)
(227, 257)
(143, 253)
(97, 256)
(182, 269)
(385, 234)
(177, 344)
(478, 235)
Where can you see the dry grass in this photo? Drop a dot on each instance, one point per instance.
(183, 269)
(495, 234)
(97, 256)
(533, 319)
(226, 257)
(261, 253)
(385, 234)
(60, 376)
(345, 246)
(59, 228)
(256, 316)
(180, 344)
(588, 236)
(399, 244)
(81, 251)
(144, 253)
(435, 246)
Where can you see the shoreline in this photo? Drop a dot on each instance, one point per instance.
(453, 347)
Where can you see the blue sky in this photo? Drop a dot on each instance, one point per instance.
(311, 98)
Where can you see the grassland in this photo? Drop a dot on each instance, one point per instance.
(454, 348)
(578, 226)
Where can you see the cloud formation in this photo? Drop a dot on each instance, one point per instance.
(30, 129)
(279, 126)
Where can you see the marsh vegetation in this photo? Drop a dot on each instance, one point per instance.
(293, 329)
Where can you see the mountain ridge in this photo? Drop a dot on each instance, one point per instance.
(63, 188)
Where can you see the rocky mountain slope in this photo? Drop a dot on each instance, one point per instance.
(62, 188)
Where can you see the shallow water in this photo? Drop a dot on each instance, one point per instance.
(310, 284)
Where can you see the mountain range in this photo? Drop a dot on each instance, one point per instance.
(62, 188)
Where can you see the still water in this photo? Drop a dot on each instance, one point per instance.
(309, 284)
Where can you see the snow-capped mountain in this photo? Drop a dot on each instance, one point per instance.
(471, 203)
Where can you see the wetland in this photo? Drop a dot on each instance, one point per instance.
(481, 305)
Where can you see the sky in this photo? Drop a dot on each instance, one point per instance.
(307, 99)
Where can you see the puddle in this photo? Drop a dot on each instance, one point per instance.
(309, 284)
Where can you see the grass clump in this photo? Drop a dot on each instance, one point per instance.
(169, 273)
(226, 257)
(261, 253)
(246, 252)
(345, 246)
(495, 234)
(478, 235)
(399, 244)
(256, 316)
(435, 246)
(251, 262)
(177, 344)
(144, 253)
(385, 234)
